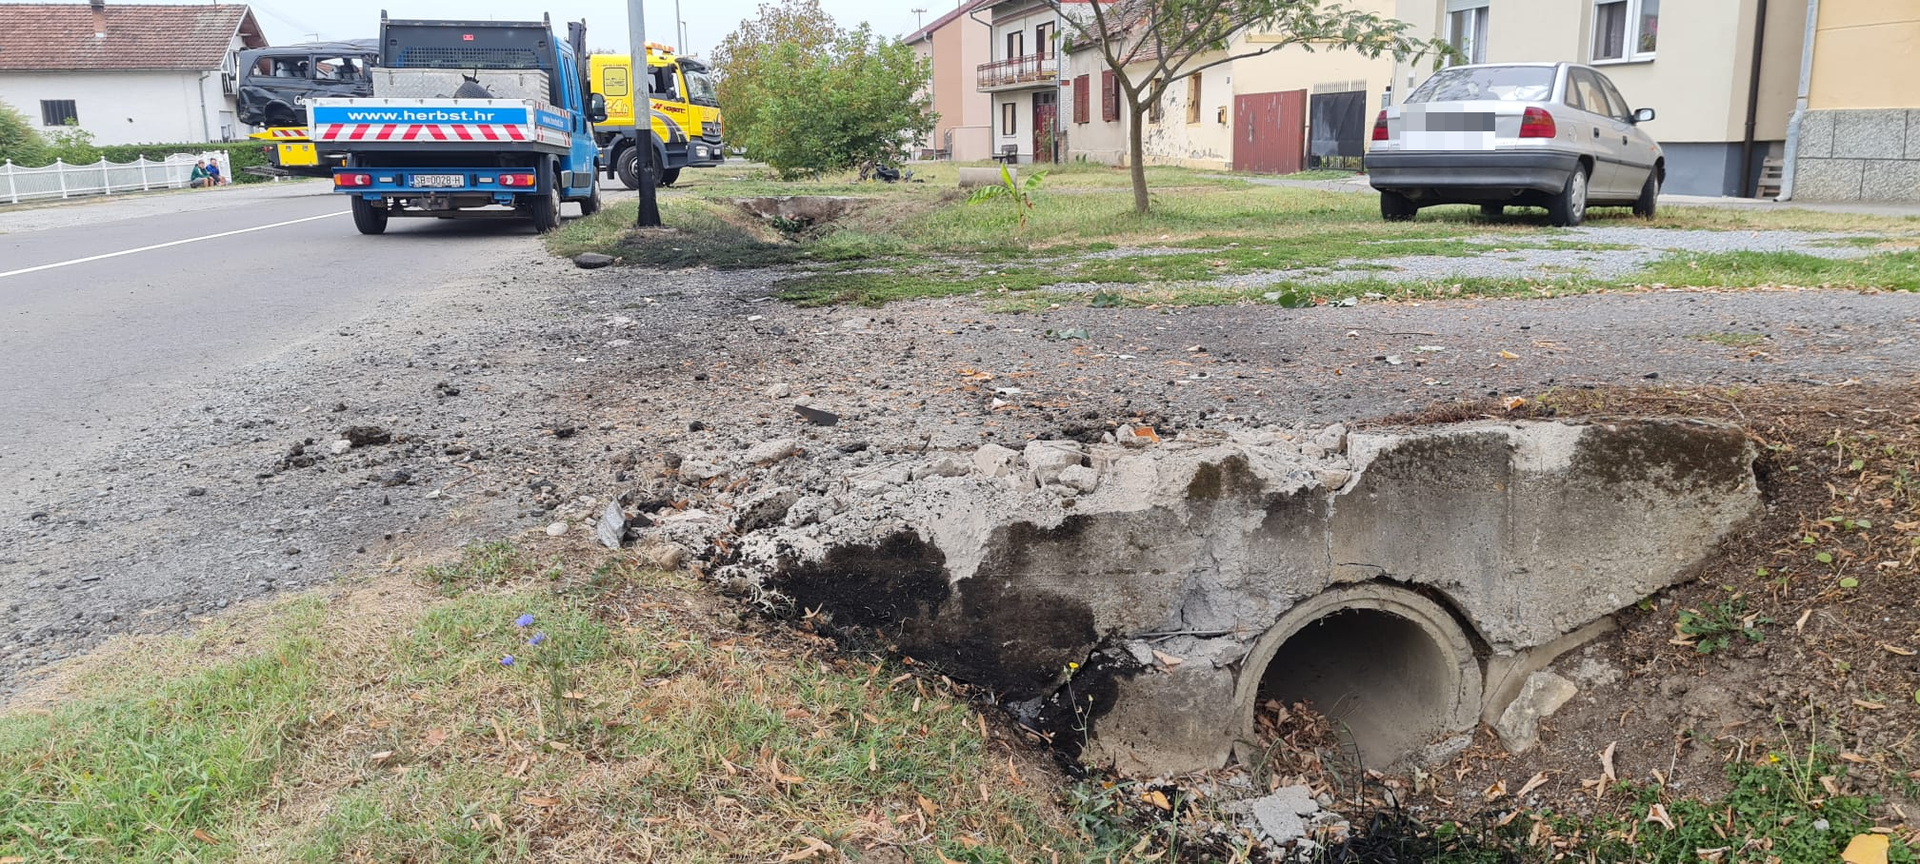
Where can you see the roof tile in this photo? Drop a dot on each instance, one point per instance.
(48, 37)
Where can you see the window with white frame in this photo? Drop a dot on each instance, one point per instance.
(1625, 31)
(1467, 29)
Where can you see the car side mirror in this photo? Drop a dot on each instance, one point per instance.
(1642, 115)
(597, 108)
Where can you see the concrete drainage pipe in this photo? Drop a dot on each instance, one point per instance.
(1391, 668)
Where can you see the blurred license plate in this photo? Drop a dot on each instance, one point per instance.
(1446, 140)
(437, 181)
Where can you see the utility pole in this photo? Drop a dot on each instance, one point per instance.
(640, 84)
(918, 21)
(680, 30)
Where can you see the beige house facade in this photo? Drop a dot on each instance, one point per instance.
(1723, 77)
(1720, 77)
(1858, 123)
(1022, 80)
(957, 43)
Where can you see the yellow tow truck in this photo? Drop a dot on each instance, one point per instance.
(687, 129)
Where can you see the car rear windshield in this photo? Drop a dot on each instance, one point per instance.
(1502, 83)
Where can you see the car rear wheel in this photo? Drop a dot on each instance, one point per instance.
(1492, 211)
(1395, 207)
(368, 218)
(1649, 196)
(1569, 208)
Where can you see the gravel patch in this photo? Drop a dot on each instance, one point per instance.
(532, 399)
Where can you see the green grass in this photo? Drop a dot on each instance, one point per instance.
(1895, 271)
(1731, 339)
(1320, 174)
(923, 240)
(133, 772)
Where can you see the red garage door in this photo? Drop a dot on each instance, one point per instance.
(1270, 132)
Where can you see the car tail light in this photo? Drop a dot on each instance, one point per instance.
(352, 180)
(1537, 123)
(521, 181)
(1380, 126)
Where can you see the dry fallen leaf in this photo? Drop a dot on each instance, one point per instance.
(1866, 849)
(382, 756)
(1167, 659)
(1513, 402)
(1606, 763)
(1658, 813)
(1895, 649)
(1498, 789)
(815, 846)
(542, 801)
(435, 738)
(199, 835)
(14, 859)
(926, 805)
(1157, 799)
(1509, 355)
(1870, 706)
(1535, 783)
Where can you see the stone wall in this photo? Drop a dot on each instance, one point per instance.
(1859, 155)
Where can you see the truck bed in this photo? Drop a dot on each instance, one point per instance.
(388, 121)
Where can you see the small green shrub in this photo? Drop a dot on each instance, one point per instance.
(1714, 625)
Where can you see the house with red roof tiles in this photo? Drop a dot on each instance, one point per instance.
(127, 73)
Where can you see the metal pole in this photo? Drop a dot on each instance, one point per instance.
(679, 29)
(642, 79)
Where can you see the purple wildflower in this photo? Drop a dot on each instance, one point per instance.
(525, 620)
(537, 639)
(507, 660)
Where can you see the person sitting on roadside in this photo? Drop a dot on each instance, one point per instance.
(199, 179)
(213, 174)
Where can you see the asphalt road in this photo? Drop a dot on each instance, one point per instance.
(112, 309)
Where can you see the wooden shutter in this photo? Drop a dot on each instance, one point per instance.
(1109, 97)
(1082, 98)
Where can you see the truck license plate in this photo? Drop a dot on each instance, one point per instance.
(437, 181)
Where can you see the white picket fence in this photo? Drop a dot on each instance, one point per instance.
(61, 180)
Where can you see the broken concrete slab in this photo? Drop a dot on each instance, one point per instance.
(1543, 694)
(1454, 542)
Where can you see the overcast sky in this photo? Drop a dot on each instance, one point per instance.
(708, 21)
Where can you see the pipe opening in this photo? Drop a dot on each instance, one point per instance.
(1383, 680)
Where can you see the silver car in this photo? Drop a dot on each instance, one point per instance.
(1553, 135)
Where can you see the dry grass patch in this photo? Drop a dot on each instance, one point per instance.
(640, 719)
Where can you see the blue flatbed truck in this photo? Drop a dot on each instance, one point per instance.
(469, 120)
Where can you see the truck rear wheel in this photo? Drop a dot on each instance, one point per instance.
(368, 218)
(591, 204)
(545, 209)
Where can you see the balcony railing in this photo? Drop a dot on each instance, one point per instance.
(1018, 70)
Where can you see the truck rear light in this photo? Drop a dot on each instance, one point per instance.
(518, 181)
(1537, 123)
(1380, 126)
(352, 180)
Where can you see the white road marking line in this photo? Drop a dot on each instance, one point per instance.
(25, 270)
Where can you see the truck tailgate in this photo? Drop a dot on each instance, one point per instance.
(394, 119)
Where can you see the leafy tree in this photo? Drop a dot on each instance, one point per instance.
(745, 58)
(1150, 45)
(862, 99)
(19, 141)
